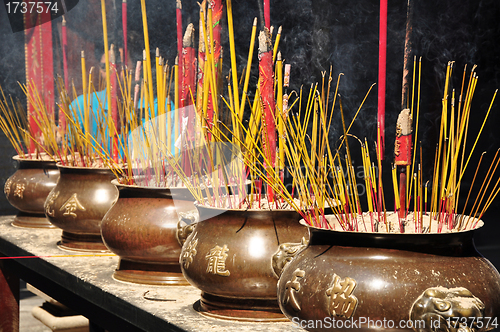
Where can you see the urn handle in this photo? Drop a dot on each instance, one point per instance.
(186, 224)
(285, 253)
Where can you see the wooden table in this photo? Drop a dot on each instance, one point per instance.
(85, 284)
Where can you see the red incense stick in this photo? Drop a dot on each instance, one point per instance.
(267, 14)
(188, 88)
(402, 153)
(114, 127)
(188, 67)
(382, 60)
(62, 119)
(266, 81)
(179, 29)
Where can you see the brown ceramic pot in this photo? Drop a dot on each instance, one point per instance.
(229, 257)
(78, 203)
(141, 228)
(374, 281)
(28, 188)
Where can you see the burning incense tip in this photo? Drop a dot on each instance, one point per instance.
(178, 4)
(188, 40)
(82, 54)
(279, 56)
(157, 52)
(279, 30)
(255, 22)
(176, 60)
(63, 21)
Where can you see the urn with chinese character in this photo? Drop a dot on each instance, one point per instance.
(387, 281)
(141, 228)
(78, 203)
(28, 188)
(229, 256)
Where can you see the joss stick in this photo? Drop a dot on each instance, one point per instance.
(481, 193)
(479, 134)
(188, 67)
(188, 84)
(159, 81)
(147, 69)
(247, 70)
(470, 190)
(137, 87)
(170, 129)
(112, 127)
(84, 87)
(62, 119)
(176, 100)
(215, 11)
(234, 69)
(382, 77)
(125, 34)
(145, 106)
(179, 30)
(404, 179)
(276, 43)
(418, 109)
(106, 54)
(211, 73)
(280, 114)
(201, 60)
(267, 14)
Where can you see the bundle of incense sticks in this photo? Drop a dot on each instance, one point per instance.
(203, 162)
(325, 178)
(16, 128)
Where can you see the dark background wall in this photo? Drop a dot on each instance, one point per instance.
(317, 34)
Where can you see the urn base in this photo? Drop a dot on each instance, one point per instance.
(82, 242)
(150, 273)
(31, 220)
(254, 310)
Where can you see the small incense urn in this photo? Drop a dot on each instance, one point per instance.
(27, 189)
(77, 205)
(141, 228)
(384, 281)
(229, 256)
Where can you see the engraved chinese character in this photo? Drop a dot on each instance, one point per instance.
(188, 253)
(291, 288)
(6, 189)
(71, 205)
(342, 302)
(50, 201)
(19, 191)
(217, 261)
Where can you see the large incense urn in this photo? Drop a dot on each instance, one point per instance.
(381, 281)
(229, 256)
(27, 189)
(77, 205)
(141, 228)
